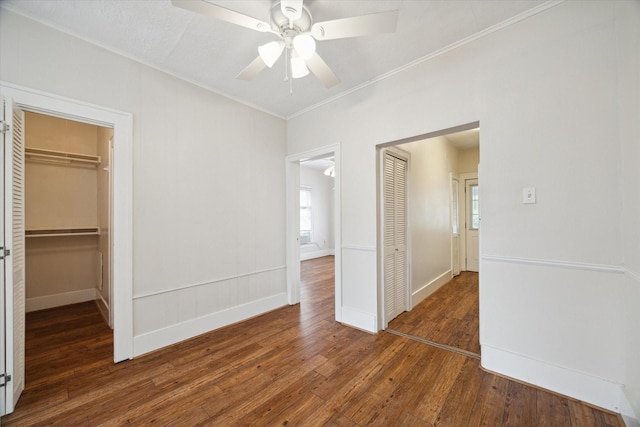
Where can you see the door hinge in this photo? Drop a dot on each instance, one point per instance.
(4, 126)
(4, 379)
(4, 252)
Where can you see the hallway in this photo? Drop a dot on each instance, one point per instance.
(449, 316)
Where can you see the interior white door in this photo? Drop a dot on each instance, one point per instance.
(3, 325)
(472, 229)
(455, 227)
(13, 253)
(395, 235)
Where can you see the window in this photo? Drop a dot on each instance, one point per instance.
(305, 216)
(475, 207)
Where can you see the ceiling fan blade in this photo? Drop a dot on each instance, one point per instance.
(222, 14)
(365, 25)
(252, 69)
(292, 9)
(322, 71)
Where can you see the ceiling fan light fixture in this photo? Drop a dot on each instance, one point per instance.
(270, 52)
(305, 45)
(298, 67)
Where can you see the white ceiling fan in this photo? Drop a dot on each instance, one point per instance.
(292, 23)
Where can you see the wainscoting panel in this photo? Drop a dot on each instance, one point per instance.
(167, 317)
(557, 325)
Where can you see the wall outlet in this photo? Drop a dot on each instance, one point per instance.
(529, 195)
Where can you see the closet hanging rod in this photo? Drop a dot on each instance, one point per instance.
(60, 156)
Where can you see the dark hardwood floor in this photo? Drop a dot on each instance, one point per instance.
(449, 316)
(294, 366)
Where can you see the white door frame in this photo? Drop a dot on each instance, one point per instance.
(464, 177)
(122, 196)
(292, 174)
(455, 239)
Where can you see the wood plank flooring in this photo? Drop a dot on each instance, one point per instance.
(449, 316)
(294, 366)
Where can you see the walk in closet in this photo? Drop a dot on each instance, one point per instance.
(67, 207)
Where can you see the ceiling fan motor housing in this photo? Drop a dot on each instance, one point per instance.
(280, 23)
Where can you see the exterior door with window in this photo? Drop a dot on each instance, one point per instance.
(472, 228)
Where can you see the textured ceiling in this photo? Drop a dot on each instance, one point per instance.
(211, 53)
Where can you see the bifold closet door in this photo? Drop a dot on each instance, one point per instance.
(395, 235)
(14, 256)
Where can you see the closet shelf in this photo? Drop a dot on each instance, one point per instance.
(58, 232)
(62, 157)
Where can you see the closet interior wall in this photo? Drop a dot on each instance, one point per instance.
(66, 212)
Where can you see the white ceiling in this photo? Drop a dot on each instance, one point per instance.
(464, 140)
(211, 53)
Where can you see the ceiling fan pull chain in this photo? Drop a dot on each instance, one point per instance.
(287, 67)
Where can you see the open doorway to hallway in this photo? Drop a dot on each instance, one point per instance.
(317, 219)
(442, 226)
(318, 237)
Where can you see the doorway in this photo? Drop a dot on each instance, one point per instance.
(471, 209)
(317, 248)
(67, 213)
(16, 98)
(440, 164)
(293, 232)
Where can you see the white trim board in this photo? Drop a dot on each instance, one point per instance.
(561, 264)
(578, 385)
(304, 256)
(160, 338)
(427, 289)
(359, 319)
(210, 282)
(57, 300)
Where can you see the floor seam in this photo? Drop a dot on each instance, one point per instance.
(435, 344)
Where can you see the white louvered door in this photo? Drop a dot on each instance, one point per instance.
(395, 235)
(13, 240)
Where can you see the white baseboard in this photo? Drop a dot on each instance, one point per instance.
(50, 301)
(179, 332)
(359, 319)
(430, 288)
(578, 385)
(316, 254)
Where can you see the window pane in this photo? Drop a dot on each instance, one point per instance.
(305, 216)
(305, 198)
(305, 220)
(475, 207)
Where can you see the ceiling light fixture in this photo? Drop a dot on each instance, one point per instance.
(305, 45)
(330, 171)
(292, 23)
(270, 52)
(298, 66)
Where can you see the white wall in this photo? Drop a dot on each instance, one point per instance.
(628, 51)
(468, 160)
(321, 211)
(545, 91)
(432, 161)
(208, 183)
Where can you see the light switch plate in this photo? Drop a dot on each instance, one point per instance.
(528, 195)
